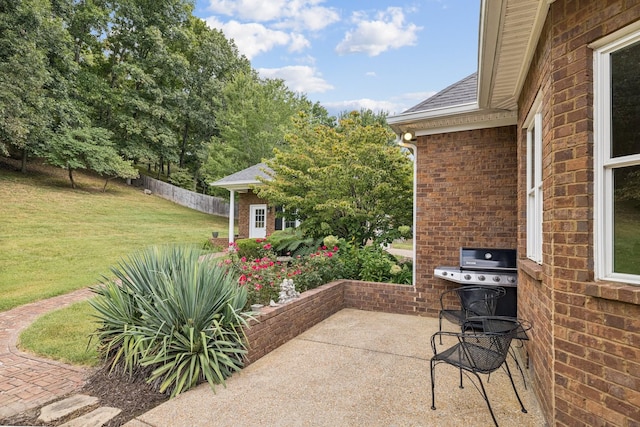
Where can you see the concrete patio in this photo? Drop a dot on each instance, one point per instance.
(354, 368)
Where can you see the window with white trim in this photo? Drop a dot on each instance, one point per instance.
(617, 158)
(533, 127)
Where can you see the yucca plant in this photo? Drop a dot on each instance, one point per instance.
(173, 317)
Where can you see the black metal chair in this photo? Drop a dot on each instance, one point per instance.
(478, 351)
(472, 301)
(501, 323)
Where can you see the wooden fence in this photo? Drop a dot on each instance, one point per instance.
(200, 202)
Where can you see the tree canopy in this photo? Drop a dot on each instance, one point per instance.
(349, 181)
(144, 79)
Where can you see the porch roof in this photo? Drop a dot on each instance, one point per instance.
(245, 179)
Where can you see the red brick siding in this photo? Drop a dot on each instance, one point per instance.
(244, 203)
(585, 344)
(535, 297)
(466, 197)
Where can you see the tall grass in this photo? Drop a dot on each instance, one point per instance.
(54, 239)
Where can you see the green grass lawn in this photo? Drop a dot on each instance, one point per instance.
(64, 335)
(54, 239)
(403, 244)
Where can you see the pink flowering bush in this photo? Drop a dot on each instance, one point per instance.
(262, 273)
(320, 267)
(260, 276)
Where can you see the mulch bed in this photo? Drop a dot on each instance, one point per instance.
(119, 391)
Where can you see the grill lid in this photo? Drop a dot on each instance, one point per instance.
(488, 259)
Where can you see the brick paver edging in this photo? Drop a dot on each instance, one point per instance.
(28, 381)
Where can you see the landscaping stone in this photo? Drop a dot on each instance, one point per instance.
(64, 407)
(95, 418)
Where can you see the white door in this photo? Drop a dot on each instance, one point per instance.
(257, 221)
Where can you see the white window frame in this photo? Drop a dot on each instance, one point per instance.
(533, 127)
(604, 164)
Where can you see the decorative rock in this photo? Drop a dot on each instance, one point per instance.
(95, 418)
(287, 291)
(66, 406)
(272, 303)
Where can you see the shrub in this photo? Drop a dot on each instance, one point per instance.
(173, 319)
(260, 277)
(318, 268)
(292, 242)
(251, 248)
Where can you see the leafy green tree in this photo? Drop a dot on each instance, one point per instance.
(212, 62)
(255, 117)
(26, 30)
(143, 67)
(346, 181)
(88, 148)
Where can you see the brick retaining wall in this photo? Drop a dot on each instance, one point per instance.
(275, 326)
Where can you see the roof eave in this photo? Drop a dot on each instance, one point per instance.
(236, 185)
(493, 16)
(401, 122)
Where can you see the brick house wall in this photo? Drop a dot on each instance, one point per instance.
(244, 203)
(466, 196)
(585, 346)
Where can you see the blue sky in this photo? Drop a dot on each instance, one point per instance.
(351, 54)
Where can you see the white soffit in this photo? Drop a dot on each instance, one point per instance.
(509, 32)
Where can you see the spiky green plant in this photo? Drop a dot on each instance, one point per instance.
(173, 317)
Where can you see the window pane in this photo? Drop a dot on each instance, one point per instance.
(532, 157)
(626, 220)
(625, 101)
(259, 219)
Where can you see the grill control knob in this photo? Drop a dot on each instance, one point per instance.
(496, 278)
(481, 277)
(467, 277)
(444, 273)
(511, 279)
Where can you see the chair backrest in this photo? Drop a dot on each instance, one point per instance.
(479, 300)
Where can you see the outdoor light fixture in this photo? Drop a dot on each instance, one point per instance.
(409, 136)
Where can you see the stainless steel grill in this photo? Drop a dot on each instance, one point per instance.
(489, 267)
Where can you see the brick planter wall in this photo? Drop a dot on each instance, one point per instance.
(275, 326)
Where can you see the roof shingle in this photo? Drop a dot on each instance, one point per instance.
(463, 92)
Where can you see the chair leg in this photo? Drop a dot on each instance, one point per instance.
(433, 387)
(440, 326)
(486, 399)
(506, 365)
(515, 359)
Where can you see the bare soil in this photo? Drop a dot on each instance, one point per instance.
(115, 390)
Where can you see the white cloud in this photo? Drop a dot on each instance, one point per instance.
(291, 14)
(298, 78)
(415, 98)
(249, 10)
(366, 103)
(298, 43)
(394, 105)
(253, 39)
(387, 31)
(370, 74)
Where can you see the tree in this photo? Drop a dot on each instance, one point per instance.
(346, 181)
(88, 148)
(26, 28)
(255, 117)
